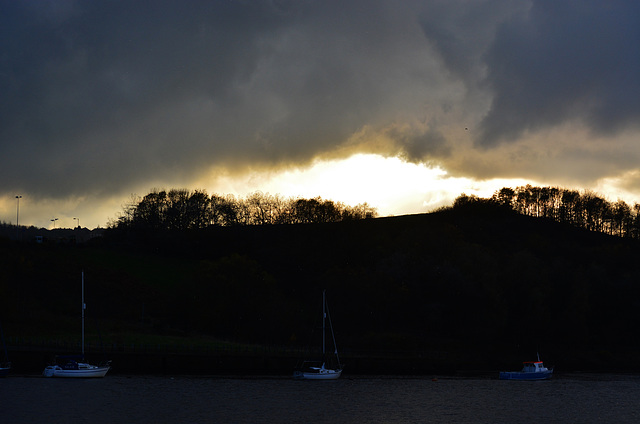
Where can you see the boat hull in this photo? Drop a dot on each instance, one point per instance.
(326, 375)
(4, 371)
(527, 376)
(89, 372)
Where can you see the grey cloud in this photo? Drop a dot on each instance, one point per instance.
(166, 88)
(564, 61)
(111, 81)
(420, 144)
(461, 31)
(98, 96)
(543, 62)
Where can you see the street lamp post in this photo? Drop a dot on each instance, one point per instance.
(78, 219)
(54, 222)
(18, 218)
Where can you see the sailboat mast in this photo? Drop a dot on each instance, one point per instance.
(83, 308)
(324, 316)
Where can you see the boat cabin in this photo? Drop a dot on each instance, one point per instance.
(533, 367)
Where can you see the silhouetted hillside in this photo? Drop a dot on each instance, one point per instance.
(477, 278)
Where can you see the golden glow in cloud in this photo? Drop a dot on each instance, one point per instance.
(393, 186)
(390, 184)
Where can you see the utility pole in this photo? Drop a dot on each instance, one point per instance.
(18, 218)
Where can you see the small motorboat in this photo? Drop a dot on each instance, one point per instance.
(533, 370)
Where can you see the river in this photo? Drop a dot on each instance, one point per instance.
(575, 398)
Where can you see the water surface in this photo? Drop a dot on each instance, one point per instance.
(161, 399)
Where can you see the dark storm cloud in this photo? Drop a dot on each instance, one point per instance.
(99, 96)
(564, 61)
(102, 86)
(462, 30)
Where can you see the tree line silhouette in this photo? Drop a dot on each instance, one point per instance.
(470, 285)
(585, 210)
(182, 209)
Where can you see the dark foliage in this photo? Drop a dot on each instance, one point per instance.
(184, 210)
(585, 210)
(473, 276)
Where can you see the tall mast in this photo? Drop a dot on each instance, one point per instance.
(333, 336)
(83, 308)
(324, 315)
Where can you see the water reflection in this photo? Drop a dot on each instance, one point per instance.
(578, 398)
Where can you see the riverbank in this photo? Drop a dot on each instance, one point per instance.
(268, 361)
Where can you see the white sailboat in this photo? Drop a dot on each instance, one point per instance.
(319, 370)
(74, 366)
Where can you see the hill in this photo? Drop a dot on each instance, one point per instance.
(473, 286)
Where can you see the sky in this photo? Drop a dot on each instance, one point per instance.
(404, 105)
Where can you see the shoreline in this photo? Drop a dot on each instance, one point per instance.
(33, 361)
